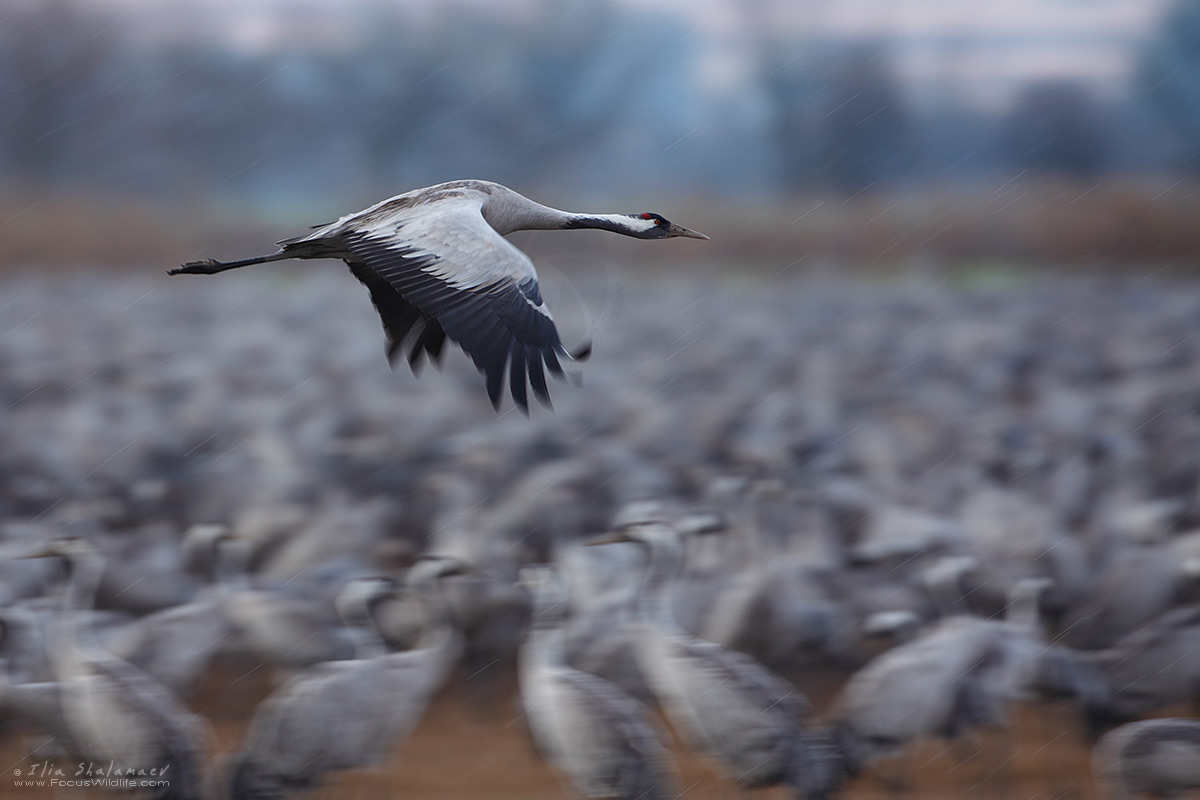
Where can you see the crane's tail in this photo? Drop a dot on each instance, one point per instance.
(210, 266)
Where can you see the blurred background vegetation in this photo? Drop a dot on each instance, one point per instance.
(140, 133)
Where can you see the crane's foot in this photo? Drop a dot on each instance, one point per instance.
(206, 267)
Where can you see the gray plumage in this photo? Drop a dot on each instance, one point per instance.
(723, 702)
(962, 673)
(176, 645)
(599, 738)
(345, 714)
(1148, 669)
(282, 625)
(287, 629)
(114, 711)
(1158, 757)
(437, 265)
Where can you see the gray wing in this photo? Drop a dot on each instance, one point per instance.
(438, 270)
(174, 645)
(759, 686)
(628, 757)
(405, 324)
(335, 715)
(327, 718)
(181, 736)
(748, 716)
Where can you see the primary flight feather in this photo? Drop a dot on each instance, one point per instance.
(437, 266)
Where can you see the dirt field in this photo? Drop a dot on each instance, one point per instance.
(463, 749)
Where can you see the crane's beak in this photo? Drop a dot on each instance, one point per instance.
(679, 230)
(614, 537)
(40, 551)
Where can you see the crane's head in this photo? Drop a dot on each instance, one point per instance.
(654, 226)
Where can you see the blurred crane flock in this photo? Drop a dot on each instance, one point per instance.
(891, 489)
(958, 517)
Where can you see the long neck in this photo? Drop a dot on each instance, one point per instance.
(518, 213)
(439, 630)
(364, 633)
(666, 559)
(70, 631)
(86, 571)
(546, 646)
(617, 223)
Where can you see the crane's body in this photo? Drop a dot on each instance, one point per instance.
(599, 738)
(344, 714)
(753, 723)
(437, 265)
(112, 710)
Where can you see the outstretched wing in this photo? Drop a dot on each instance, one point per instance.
(404, 322)
(440, 270)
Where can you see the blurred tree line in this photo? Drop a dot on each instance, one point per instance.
(579, 95)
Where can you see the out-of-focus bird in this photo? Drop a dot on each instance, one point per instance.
(344, 714)
(726, 703)
(601, 739)
(113, 711)
(437, 266)
(1156, 757)
(961, 674)
(1148, 669)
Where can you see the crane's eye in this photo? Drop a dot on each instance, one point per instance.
(658, 222)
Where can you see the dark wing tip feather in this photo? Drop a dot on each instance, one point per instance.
(495, 381)
(517, 374)
(435, 339)
(393, 347)
(414, 354)
(426, 341)
(501, 325)
(537, 377)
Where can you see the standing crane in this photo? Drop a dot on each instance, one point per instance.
(725, 702)
(437, 265)
(591, 732)
(114, 712)
(344, 714)
(962, 674)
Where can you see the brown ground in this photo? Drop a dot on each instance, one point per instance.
(466, 749)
